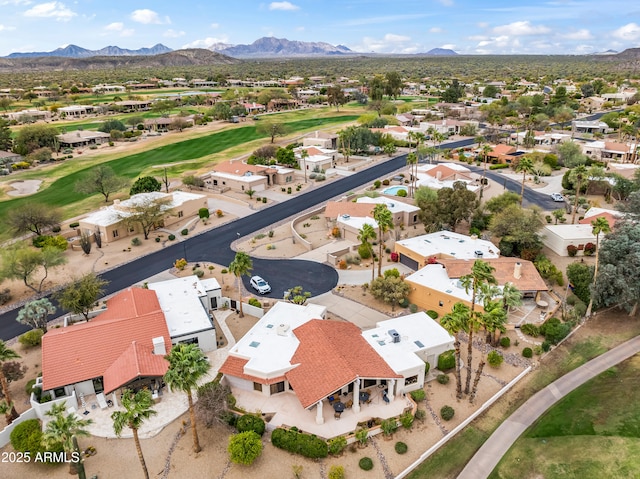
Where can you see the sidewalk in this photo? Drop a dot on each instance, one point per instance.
(361, 316)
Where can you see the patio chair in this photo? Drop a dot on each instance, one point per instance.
(336, 415)
(349, 404)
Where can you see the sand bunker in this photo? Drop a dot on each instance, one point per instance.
(24, 188)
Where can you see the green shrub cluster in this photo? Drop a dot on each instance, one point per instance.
(530, 330)
(184, 232)
(555, 330)
(505, 341)
(31, 338)
(443, 378)
(366, 464)
(401, 447)
(74, 225)
(299, 443)
(447, 413)
(336, 445)
(136, 241)
(364, 250)
(527, 352)
(27, 437)
(447, 360)
(404, 303)
(499, 166)
(249, 422)
(418, 395)
(58, 242)
(495, 359)
(172, 237)
(255, 302)
(432, 314)
(203, 213)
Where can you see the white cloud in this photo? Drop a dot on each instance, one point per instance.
(215, 25)
(446, 3)
(114, 27)
(582, 34)
(521, 28)
(173, 33)
(147, 17)
(449, 46)
(483, 24)
(15, 2)
(393, 38)
(55, 10)
(390, 43)
(630, 31)
(206, 42)
(435, 30)
(299, 29)
(288, 6)
(356, 22)
(6, 28)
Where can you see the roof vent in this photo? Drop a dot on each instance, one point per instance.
(395, 336)
(346, 217)
(282, 329)
(478, 253)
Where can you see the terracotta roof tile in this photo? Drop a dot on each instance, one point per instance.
(502, 150)
(234, 366)
(530, 279)
(608, 216)
(85, 351)
(136, 361)
(238, 168)
(332, 354)
(339, 208)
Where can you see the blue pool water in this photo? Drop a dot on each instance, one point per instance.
(393, 190)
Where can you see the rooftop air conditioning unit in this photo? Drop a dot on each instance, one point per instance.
(282, 329)
(395, 336)
(346, 217)
(478, 253)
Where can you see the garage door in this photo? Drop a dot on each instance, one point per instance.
(411, 263)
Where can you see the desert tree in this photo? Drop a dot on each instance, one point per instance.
(101, 179)
(145, 184)
(272, 129)
(35, 313)
(147, 213)
(22, 263)
(80, 296)
(33, 217)
(5, 355)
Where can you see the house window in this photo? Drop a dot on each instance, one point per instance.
(58, 393)
(115, 233)
(242, 188)
(277, 387)
(411, 380)
(180, 214)
(215, 182)
(257, 387)
(441, 304)
(369, 383)
(98, 386)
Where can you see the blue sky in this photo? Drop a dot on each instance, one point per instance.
(382, 26)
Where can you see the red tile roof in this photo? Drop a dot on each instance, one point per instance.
(85, 351)
(234, 366)
(238, 168)
(447, 173)
(332, 354)
(339, 208)
(501, 149)
(608, 216)
(135, 362)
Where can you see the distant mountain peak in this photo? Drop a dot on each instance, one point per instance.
(74, 51)
(440, 52)
(280, 47)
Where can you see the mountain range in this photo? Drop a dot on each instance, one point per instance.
(74, 51)
(279, 47)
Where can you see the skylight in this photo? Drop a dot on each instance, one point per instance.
(419, 344)
(254, 344)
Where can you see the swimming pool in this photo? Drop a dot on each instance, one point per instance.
(393, 190)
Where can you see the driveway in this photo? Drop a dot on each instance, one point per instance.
(488, 456)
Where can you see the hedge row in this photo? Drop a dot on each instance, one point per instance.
(299, 443)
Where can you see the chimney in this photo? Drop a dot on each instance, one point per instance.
(438, 175)
(517, 270)
(158, 346)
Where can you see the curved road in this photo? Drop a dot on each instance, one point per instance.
(213, 246)
(488, 456)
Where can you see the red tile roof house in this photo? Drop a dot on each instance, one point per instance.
(122, 347)
(293, 352)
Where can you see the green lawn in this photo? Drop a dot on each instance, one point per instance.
(197, 151)
(594, 432)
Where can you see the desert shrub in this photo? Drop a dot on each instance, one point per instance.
(545, 346)
(413, 308)
(443, 378)
(351, 259)
(184, 232)
(224, 271)
(299, 443)
(27, 436)
(447, 360)
(198, 272)
(495, 359)
(249, 422)
(244, 448)
(31, 338)
(530, 329)
(401, 447)
(498, 166)
(402, 193)
(555, 330)
(505, 341)
(385, 182)
(364, 250)
(158, 239)
(404, 303)
(74, 225)
(418, 395)
(335, 232)
(388, 426)
(427, 367)
(572, 250)
(406, 419)
(264, 200)
(342, 264)
(171, 237)
(336, 445)
(57, 228)
(432, 314)
(203, 213)
(447, 413)
(527, 352)
(421, 414)
(180, 264)
(28, 388)
(136, 241)
(336, 472)
(255, 302)
(58, 242)
(219, 213)
(366, 464)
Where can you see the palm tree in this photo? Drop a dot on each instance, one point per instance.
(454, 322)
(187, 365)
(511, 296)
(384, 218)
(485, 150)
(577, 176)
(304, 154)
(241, 266)
(600, 225)
(137, 409)
(367, 232)
(6, 354)
(525, 165)
(412, 159)
(481, 273)
(62, 429)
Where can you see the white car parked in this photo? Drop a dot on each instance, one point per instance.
(260, 285)
(557, 197)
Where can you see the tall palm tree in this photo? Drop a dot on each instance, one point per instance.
(241, 266)
(137, 409)
(412, 159)
(577, 176)
(62, 428)
(481, 273)
(454, 322)
(511, 296)
(367, 232)
(485, 150)
(525, 165)
(187, 365)
(384, 218)
(599, 225)
(304, 154)
(6, 354)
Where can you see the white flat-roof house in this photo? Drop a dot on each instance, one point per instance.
(559, 237)
(418, 251)
(185, 303)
